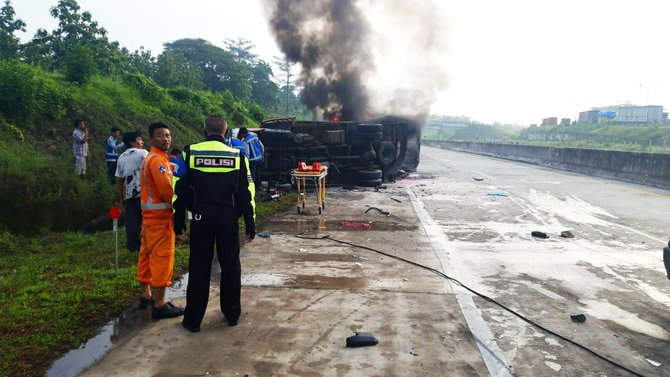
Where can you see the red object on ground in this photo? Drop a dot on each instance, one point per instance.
(114, 212)
(354, 225)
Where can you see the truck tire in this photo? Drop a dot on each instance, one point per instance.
(277, 135)
(368, 136)
(386, 153)
(369, 127)
(367, 175)
(370, 182)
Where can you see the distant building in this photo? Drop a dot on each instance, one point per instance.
(625, 115)
(565, 122)
(551, 121)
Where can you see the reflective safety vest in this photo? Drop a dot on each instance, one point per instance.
(214, 156)
(237, 144)
(254, 147)
(156, 186)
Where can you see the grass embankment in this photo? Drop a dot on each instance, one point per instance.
(59, 288)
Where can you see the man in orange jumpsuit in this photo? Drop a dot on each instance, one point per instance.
(156, 258)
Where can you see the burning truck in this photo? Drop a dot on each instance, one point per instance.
(360, 153)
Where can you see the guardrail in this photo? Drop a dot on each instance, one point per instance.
(651, 169)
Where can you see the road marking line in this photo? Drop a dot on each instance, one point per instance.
(491, 353)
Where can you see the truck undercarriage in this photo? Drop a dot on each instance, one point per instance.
(360, 153)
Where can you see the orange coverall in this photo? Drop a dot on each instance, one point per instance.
(155, 261)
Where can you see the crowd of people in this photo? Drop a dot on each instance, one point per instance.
(213, 180)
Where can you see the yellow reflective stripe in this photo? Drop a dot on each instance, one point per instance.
(252, 187)
(156, 206)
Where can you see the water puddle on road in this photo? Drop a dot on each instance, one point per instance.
(113, 333)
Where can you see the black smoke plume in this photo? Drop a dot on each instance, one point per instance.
(328, 39)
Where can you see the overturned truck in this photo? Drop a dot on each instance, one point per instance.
(359, 153)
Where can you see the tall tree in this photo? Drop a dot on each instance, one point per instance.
(220, 70)
(241, 48)
(265, 92)
(9, 44)
(75, 30)
(286, 68)
(174, 71)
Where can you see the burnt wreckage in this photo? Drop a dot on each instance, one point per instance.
(360, 153)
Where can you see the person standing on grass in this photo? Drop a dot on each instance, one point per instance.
(155, 261)
(217, 188)
(80, 140)
(128, 177)
(112, 148)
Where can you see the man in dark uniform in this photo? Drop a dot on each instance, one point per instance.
(217, 188)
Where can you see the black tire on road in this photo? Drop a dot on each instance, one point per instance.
(367, 175)
(369, 127)
(368, 136)
(386, 153)
(370, 182)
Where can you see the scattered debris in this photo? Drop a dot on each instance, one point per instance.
(396, 200)
(361, 339)
(578, 318)
(567, 234)
(380, 211)
(497, 193)
(654, 363)
(478, 179)
(354, 225)
(539, 234)
(302, 250)
(263, 234)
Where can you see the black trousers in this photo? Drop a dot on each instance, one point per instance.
(133, 222)
(255, 170)
(206, 233)
(111, 172)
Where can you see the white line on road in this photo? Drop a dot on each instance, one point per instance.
(491, 353)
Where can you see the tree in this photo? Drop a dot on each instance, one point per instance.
(241, 50)
(174, 71)
(264, 91)
(9, 44)
(75, 30)
(220, 71)
(286, 67)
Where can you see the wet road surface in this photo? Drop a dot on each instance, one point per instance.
(467, 216)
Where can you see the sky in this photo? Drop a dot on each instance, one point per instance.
(511, 61)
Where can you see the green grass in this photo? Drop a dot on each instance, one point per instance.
(59, 288)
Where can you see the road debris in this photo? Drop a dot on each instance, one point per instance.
(380, 211)
(567, 234)
(579, 318)
(396, 200)
(263, 234)
(361, 339)
(539, 234)
(654, 363)
(497, 193)
(478, 179)
(354, 225)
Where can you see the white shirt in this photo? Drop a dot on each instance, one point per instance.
(128, 167)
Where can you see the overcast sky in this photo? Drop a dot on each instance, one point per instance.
(510, 61)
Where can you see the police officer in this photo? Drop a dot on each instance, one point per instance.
(217, 188)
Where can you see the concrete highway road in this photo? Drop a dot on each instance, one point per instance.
(483, 210)
(471, 218)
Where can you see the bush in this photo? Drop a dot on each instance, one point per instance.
(40, 191)
(27, 93)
